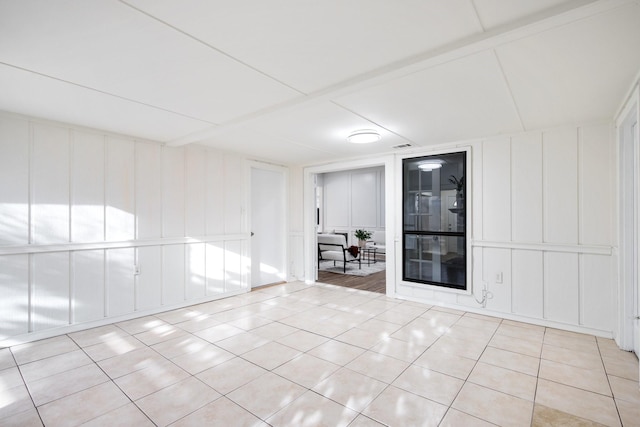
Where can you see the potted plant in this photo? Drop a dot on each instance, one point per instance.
(459, 183)
(362, 236)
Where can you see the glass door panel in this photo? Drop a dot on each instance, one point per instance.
(434, 220)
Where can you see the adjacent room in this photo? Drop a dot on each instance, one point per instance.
(351, 204)
(302, 213)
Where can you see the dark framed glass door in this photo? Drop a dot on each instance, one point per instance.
(434, 240)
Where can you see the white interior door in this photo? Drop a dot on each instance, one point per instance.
(629, 215)
(268, 225)
(636, 284)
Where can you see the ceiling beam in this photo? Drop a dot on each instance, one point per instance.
(556, 17)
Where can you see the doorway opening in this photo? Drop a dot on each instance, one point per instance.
(342, 199)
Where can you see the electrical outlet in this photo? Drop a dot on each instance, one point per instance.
(499, 277)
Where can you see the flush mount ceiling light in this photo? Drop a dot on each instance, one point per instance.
(430, 165)
(364, 136)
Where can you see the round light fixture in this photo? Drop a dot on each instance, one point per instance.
(364, 136)
(429, 166)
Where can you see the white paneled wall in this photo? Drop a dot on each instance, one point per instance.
(353, 199)
(95, 227)
(543, 212)
(14, 162)
(87, 187)
(49, 184)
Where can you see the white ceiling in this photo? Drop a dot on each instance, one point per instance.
(288, 80)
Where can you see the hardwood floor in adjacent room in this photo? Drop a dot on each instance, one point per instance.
(375, 282)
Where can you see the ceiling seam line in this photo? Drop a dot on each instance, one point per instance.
(289, 141)
(372, 121)
(204, 43)
(475, 10)
(510, 90)
(106, 93)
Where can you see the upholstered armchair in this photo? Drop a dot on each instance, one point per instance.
(334, 247)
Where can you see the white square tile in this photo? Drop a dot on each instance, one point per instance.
(115, 347)
(202, 359)
(504, 380)
(629, 412)
(43, 368)
(274, 331)
(63, 384)
(124, 416)
(594, 380)
(140, 324)
(507, 359)
(581, 403)
(98, 335)
(6, 358)
(337, 352)
(160, 333)
(271, 355)
(241, 343)
(306, 370)
(455, 418)
(361, 338)
(378, 366)
(399, 349)
(624, 389)
(349, 388)
(10, 378)
(266, 395)
(493, 406)
(221, 412)
(181, 345)
(363, 421)
(446, 363)
(83, 406)
(174, 402)
(312, 410)
(230, 375)
(42, 349)
(198, 323)
(430, 384)
(303, 340)
(135, 360)
(219, 332)
(14, 401)
(154, 377)
(28, 418)
(516, 345)
(395, 407)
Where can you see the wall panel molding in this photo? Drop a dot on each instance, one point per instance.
(546, 247)
(67, 247)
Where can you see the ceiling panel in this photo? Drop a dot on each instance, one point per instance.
(111, 47)
(462, 99)
(324, 126)
(261, 146)
(313, 44)
(34, 95)
(494, 13)
(576, 73)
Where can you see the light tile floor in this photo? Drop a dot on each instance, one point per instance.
(298, 355)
